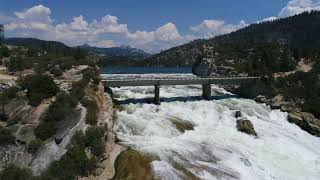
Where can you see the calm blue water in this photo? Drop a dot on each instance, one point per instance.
(145, 70)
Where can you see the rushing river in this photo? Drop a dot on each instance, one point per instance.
(197, 139)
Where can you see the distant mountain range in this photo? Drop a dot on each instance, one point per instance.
(122, 51)
(114, 53)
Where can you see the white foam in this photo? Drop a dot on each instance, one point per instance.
(215, 149)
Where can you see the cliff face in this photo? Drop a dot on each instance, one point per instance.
(23, 120)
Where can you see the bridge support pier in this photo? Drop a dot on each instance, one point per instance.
(157, 94)
(206, 91)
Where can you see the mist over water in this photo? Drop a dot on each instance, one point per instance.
(213, 148)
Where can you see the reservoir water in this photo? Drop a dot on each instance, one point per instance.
(145, 70)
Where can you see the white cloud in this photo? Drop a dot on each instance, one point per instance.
(108, 31)
(210, 28)
(36, 13)
(298, 6)
(163, 37)
(79, 23)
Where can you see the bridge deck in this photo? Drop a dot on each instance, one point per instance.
(177, 81)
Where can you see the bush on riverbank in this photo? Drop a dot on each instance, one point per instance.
(302, 87)
(92, 108)
(39, 87)
(13, 172)
(7, 95)
(57, 111)
(76, 162)
(6, 136)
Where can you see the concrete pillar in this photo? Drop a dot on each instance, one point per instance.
(206, 91)
(157, 94)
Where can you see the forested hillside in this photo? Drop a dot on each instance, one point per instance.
(37, 44)
(269, 46)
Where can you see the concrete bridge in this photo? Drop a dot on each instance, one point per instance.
(157, 82)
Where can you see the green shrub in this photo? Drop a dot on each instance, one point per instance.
(7, 95)
(4, 51)
(45, 130)
(38, 87)
(6, 136)
(11, 92)
(63, 105)
(57, 111)
(35, 99)
(74, 163)
(16, 64)
(94, 140)
(91, 106)
(34, 145)
(91, 117)
(13, 172)
(78, 88)
(56, 72)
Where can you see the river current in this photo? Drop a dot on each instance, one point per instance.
(198, 138)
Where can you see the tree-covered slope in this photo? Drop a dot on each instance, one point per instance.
(53, 47)
(288, 38)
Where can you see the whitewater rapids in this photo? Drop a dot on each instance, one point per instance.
(215, 149)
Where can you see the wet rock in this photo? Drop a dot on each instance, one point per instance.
(131, 164)
(276, 105)
(181, 125)
(305, 121)
(290, 108)
(295, 118)
(237, 114)
(245, 126)
(261, 99)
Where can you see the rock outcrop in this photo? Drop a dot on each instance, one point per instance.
(304, 120)
(209, 67)
(237, 114)
(22, 120)
(245, 126)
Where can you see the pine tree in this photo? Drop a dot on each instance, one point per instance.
(1, 33)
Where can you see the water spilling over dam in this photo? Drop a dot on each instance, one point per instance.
(198, 139)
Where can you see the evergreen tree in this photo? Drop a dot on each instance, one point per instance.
(1, 33)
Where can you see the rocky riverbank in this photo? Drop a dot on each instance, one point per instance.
(304, 120)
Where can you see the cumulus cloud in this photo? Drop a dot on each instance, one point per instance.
(37, 13)
(298, 6)
(107, 31)
(37, 22)
(210, 28)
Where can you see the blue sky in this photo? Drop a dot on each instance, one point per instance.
(147, 24)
